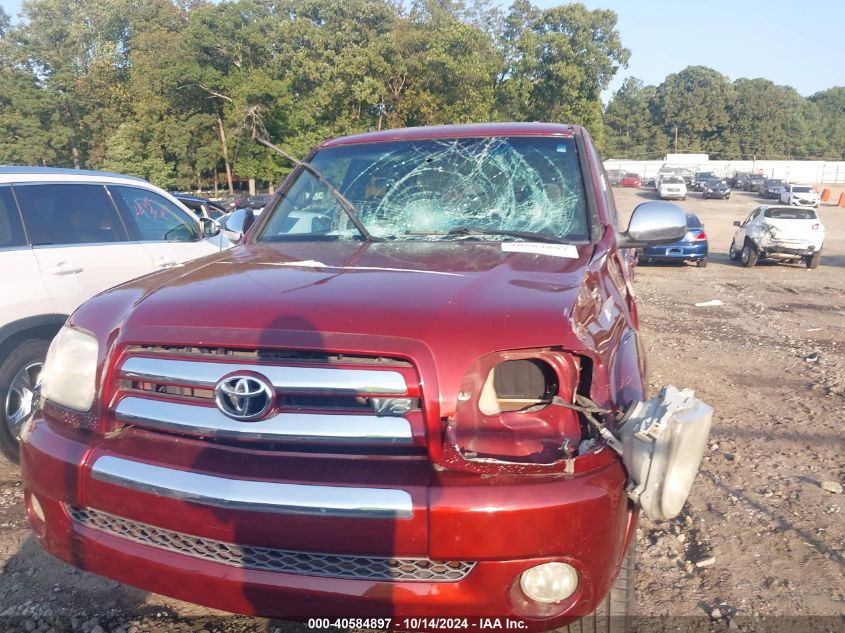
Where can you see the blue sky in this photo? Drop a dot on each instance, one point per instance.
(797, 43)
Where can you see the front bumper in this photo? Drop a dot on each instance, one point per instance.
(717, 194)
(776, 249)
(504, 525)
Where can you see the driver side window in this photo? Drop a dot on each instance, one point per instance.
(154, 217)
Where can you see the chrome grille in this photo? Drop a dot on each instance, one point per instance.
(320, 398)
(275, 560)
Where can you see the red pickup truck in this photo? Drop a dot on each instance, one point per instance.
(416, 388)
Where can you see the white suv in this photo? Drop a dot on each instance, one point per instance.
(779, 232)
(672, 187)
(800, 195)
(66, 235)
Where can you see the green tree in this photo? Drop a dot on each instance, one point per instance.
(5, 22)
(76, 53)
(830, 105)
(630, 130)
(557, 62)
(697, 102)
(768, 121)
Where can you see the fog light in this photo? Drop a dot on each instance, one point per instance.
(549, 582)
(35, 506)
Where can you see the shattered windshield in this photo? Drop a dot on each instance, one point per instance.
(407, 190)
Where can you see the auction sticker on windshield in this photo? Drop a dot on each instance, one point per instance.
(553, 250)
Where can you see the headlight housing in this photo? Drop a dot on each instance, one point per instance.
(70, 371)
(663, 441)
(504, 413)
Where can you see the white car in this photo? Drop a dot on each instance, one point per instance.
(780, 232)
(66, 235)
(672, 187)
(800, 195)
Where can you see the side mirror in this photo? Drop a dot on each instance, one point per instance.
(238, 223)
(210, 228)
(737, 223)
(654, 223)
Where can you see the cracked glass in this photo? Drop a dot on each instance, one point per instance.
(423, 190)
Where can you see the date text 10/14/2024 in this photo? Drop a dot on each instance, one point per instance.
(419, 623)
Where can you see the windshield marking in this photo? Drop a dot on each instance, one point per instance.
(315, 264)
(553, 250)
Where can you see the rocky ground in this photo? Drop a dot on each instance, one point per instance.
(761, 543)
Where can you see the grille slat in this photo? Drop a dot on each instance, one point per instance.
(275, 560)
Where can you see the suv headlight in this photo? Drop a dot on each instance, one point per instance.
(70, 371)
(663, 441)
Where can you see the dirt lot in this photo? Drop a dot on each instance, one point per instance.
(759, 540)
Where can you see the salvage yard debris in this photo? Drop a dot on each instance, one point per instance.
(832, 486)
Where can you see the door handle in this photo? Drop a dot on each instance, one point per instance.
(64, 268)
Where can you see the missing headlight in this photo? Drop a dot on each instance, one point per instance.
(518, 385)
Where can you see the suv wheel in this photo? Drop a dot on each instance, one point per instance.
(748, 256)
(813, 261)
(734, 254)
(19, 375)
(614, 613)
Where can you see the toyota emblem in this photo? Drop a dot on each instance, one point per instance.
(244, 396)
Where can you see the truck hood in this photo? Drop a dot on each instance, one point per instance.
(444, 304)
(408, 290)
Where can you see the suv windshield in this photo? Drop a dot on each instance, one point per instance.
(425, 189)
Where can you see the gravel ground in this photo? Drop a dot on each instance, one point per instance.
(762, 538)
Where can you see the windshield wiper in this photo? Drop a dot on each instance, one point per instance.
(525, 235)
(347, 206)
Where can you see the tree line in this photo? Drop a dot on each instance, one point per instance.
(176, 90)
(743, 119)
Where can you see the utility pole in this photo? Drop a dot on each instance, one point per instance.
(676, 139)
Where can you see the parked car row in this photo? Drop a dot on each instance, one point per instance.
(672, 186)
(783, 233)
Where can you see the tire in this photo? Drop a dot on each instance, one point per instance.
(812, 261)
(748, 257)
(615, 612)
(684, 198)
(18, 376)
(641, 258)
(733, 253)
(701, 263)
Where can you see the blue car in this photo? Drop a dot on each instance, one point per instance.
(691, 248)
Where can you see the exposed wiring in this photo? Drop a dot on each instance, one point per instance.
(587, 408)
